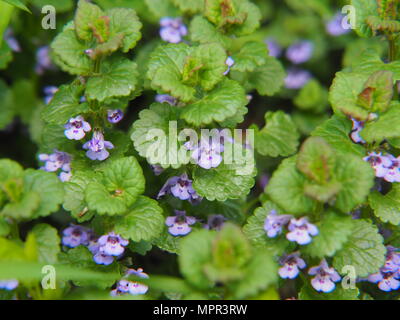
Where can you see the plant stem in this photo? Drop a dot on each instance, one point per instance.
(392, 49)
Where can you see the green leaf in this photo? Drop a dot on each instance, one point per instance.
(254, 231)
(344, 94)
(160, 9)
(189, 6)
(364, 9)
(48, 186)
(6, 55)
(387, 126)
(378, 92)
(118, 78)
(152, 132)
(48, 243)
(334, 230)
(9, 169)
(268, 79)
(85, 18)
(122, 182)
(18, 4)
(195, 252)
(224, 101)
(336, 132)
(203, 31)
(316, 160)
(23, 209)
(5, 228)
(59, 5)
(177, 68)
(279, 137)
(124, 21)
(370, 62)
(251, 55)
(387, 207)
(312, 97)
(364, 250)
(65, 104)
(222, 183)
(69, 52)
(144, 221)
(356, 177)
(286, 188)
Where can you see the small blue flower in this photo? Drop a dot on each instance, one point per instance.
(11, 40)
(380, 163)
(325, 277)
(56, 161)
(300, 52)
(43, 60)
(157, 169)
(334, 27)
(389, 275)
(179, 225)
(172, 29)
(114, 116)
(297, 78)
(181, 188)
(76, 128)
(49, 92)
(274, 223)
(97, 147)
(102, 258)
(274, 49)
(229, 62)
(207, 153)
(291, 265)
(355, 132)
(112, 244)
(132, 287)
(165, 98)
(9, 284)
(301, 231)
(75, 235)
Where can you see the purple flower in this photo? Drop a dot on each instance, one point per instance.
(102, 258)
(11, 40)
(297, 78)
(75, 235)
(76, 127)
(114, 116)
(180, 187)
(172, 29)
(325, 277)
(49, 92)
(165, 98)
(55, 161)
(388, 276)
(300, 52)
(207, 153)
(274, 223)
(301, 231)
(334, 27)
(215, 222)
(355, 132)
(43, 60)
(132, 287)
(379, 163)
(179, 225)
(112, 244)
(97, 147)
(65, 176)
(229, 62)
(393, 172)
(157, 169)
(290, 266)
(9, 284)
(274, 49)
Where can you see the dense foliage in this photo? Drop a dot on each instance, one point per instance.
(110, 188)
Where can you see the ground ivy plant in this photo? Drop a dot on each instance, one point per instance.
(194, 149)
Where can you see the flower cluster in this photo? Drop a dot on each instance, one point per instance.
(172, 29)
(125, 286)
(57, 161)
(300, 230)
(180, 187)
(385, 166)
(388, 277)
(104, 248)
